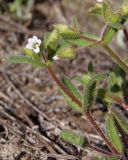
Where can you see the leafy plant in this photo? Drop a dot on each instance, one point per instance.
(62, 43)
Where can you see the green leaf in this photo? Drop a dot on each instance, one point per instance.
(65, 51)
(46, 39)
(117, 26)
(108, 35)
(84, 79)
(76, 25)
(92, 36)
(80, 42)
(121, 119)
(74, 138)
(24, 60)
(72, 104)
(31, 54)
(61, 28)
(124, 9)
(106, 158)
(103, 95)
(113, 133)
(90, 90)
(51, 39)
(97, 9)
(69, 35)
(28, 52)
(71, 87)
(107, 12)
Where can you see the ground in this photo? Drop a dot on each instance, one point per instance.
(32, 110)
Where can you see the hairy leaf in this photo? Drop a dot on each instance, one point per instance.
(79, 42)
(113, 133)
(65, 51)
(90, 90)
(97, 9)
(72, 104)
(51, 39)
(24, 60)
(109, 35)
(92, 36)
(106, 158)
(71, 87)
(107, 12)
(83, 40)
(69, 35)
(76, 25)
(75, 138)
(121, 119)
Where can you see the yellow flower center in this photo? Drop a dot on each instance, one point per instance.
(35, 46)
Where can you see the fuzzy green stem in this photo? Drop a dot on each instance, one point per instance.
(116, 58)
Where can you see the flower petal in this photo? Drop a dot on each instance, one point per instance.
(29, 46)
(30, 40)
(39, 42)
(34, 38)
(36, 50)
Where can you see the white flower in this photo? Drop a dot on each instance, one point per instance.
(34, 44)
(56, 58)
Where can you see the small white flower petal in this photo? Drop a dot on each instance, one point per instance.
(39, 42)
(29, 46)
(36, 50)
(55, 58)
(30, 40)
(34, 38)
(33, 44)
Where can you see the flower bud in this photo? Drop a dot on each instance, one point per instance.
(61, 28)
(124, 10)
(52, 38)
(64, 54)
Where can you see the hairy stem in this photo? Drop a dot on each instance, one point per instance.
(74, 99)
(62, 86)
(89, 116)
(116, 58)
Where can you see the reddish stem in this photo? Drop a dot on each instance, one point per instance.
(74, 99)
(113, 149)
(119, 101)
(100, 150)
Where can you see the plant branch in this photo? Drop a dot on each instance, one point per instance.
(119, 101)
(116, 58)
(62, 86)
(90, 39)
(99, 150)
(113, 149)
(74, 99)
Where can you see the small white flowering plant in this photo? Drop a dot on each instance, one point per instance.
(34, 44)
(63, 43)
